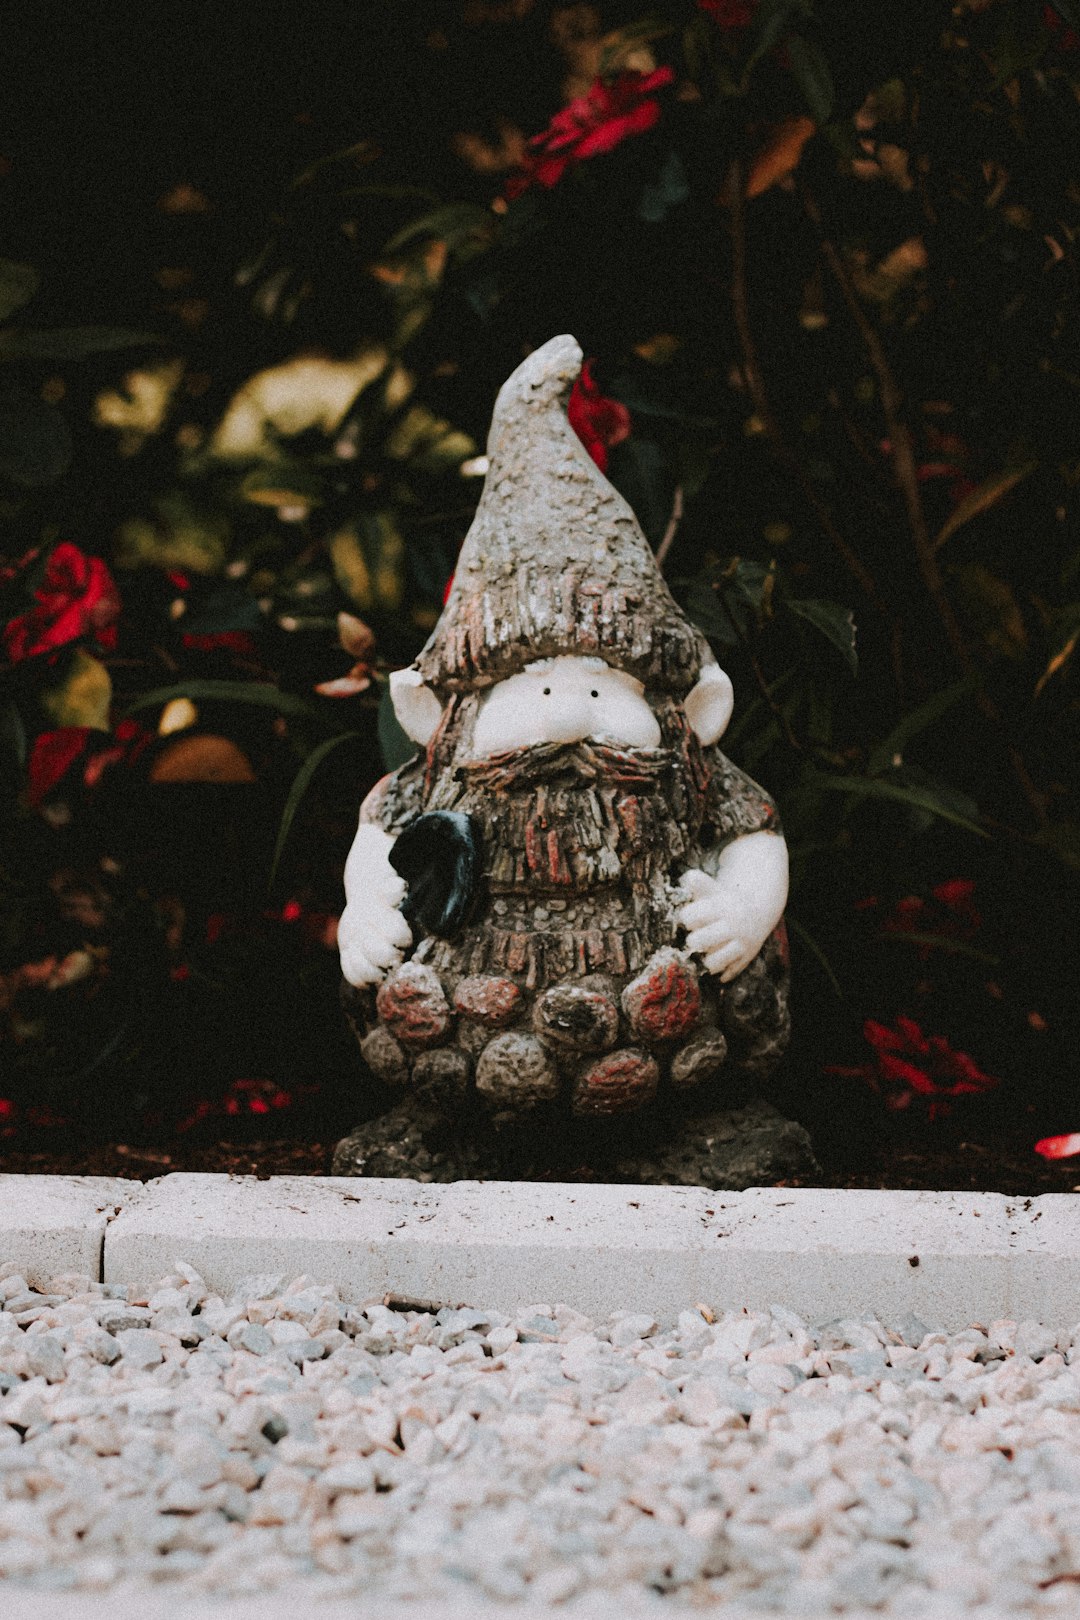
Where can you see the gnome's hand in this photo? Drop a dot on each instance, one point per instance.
(372, 933)
(729, 916)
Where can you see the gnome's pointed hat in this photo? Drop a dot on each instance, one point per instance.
(555, 561)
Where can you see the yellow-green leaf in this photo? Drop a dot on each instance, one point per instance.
(989, 492)
(1059, 660)
(84, 696)
(990, 603)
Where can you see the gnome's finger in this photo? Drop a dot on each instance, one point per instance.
(738, 966)
(380, 951)
(696, 884)
(389, 886)
(395, 929)
(357, 968)
(699, 913)
(726, 957)
(711, 938)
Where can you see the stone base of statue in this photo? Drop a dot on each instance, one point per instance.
(746, 1144)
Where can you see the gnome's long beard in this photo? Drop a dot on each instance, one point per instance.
(580, 843)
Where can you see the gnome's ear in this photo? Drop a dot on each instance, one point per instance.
(417, 708)
(709, 705)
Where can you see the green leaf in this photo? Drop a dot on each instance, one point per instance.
(300, 785)
(35, 441)
(989, 492)
(668, 189)
(70, 342)
(882, 756)
(397, 747)
(816, 952)
(952, 947)
(770, 20)
(259, 693)
(287, 484)
(813, 76)
(453, 223)
(836, 623)
(918, 798)
(18, 284)
(701, 604)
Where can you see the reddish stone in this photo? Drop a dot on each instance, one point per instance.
(664, 1002)
(616, 1084)
(488, 999)
(571, 1016)
(412, 1005)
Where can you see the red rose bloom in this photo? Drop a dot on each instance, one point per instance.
(76, 598)
(598, 421)
(596, 122)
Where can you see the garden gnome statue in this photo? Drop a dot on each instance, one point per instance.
(569, 900)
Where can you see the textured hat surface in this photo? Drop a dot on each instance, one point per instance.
(555, 561)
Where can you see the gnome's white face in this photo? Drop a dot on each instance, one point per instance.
(565, 700)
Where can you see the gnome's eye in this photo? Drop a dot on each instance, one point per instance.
(547, 691)
(594, 693)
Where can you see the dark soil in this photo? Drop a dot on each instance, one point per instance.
(1003, 1166)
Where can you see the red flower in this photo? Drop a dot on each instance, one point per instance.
(1067, 39)
(76, 598)
(1059, 1147)
(596, 122)
(908, 1064)
(599, 422)
(951, 913)
(129, 741)
(51, 757)
(729, 13)
(234, 641)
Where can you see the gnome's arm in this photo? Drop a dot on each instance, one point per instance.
(737, 888)
(372, 933)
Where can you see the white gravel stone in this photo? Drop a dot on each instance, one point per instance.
(231, 1447)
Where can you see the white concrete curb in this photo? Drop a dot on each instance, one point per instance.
(53, 1224)
(950, 1258)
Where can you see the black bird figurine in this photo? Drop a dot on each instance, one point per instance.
(440, 857)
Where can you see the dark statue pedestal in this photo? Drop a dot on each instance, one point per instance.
(723, 1149)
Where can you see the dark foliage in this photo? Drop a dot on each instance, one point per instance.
(262, 280)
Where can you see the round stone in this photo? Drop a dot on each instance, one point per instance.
(664, 1002)
(701, 1059)
(488, 999)
(412, 1005)
(619, 1083)
(516, 1070)
(442, 1076)
(582, 1020)
(385, 1057)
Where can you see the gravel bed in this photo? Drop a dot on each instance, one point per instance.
(234, 1446)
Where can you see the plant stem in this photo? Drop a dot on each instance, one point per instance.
(759, 676)
(756, 383)
(672, 527)
(907, 480)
